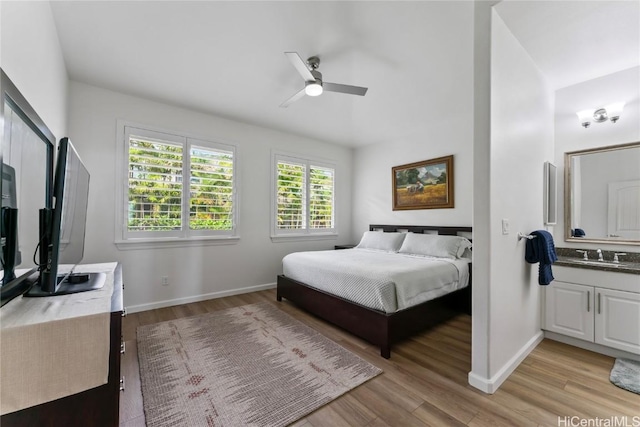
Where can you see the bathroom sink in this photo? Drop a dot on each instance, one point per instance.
(600, 263)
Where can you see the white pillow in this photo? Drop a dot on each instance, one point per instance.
(435, 245)
(388, 242)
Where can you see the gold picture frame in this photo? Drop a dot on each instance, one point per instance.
(423, 185)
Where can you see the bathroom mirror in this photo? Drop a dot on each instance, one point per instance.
(602, 195)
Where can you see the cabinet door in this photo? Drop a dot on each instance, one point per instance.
(569, 309)
(618, 319)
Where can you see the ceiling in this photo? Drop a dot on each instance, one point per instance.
(576, 41)
(227, 58)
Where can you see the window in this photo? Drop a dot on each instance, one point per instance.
(176, 187)
(304, 196)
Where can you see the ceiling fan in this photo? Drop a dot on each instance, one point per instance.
(313, 84)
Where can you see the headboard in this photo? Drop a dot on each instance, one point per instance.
(425, 229)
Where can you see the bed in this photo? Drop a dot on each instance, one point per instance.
(336, 296)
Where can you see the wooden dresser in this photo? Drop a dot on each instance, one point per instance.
(98, 406)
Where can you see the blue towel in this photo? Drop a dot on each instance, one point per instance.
(579, 232)
(541, 249)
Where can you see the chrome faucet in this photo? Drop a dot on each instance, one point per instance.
(599, 251)
(585, 257)
(615, 256)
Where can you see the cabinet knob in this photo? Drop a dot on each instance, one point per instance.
(122, 383)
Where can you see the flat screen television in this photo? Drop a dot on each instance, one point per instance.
(26, 166)
(63, 229)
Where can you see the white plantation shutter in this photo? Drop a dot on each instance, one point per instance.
(320, 198)
(211, 189)
(291, 203)
(304, 196)
(155, 185)
(177, 187)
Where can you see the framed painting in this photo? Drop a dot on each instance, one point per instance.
(423, 185)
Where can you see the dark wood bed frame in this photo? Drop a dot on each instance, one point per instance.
(377, 327)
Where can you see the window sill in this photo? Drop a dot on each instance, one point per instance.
(132, 244)
(302, 237)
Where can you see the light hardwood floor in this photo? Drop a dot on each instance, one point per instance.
(425, 381)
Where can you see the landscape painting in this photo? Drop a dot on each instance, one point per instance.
(423, 185)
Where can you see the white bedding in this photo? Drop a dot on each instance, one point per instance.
(383, 281)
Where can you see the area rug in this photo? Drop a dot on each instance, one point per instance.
(246, 366)
(626, 374)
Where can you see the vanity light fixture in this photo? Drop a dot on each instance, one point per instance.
(611, 112)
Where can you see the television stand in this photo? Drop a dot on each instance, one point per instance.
(69, 334)
(71, 284)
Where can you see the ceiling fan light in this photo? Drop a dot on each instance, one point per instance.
(313, 89)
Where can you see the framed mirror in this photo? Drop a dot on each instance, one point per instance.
(602, 194)
(27, 177)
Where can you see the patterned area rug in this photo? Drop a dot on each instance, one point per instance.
(246, 366)
(626, 374)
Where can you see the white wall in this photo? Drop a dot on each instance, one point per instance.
(32, 58)
(480, 302)
(205, 271)
(449, 131)
(521, 141)
(623, 86)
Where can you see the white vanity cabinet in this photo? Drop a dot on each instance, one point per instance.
(617, 319)
(594, 306)
(569, 310)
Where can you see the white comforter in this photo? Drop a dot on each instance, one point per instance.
(380, 280)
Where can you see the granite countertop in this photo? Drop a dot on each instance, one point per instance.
(568, 257)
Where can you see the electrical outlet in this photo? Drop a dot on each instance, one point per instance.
(164, 280)
(505, 226)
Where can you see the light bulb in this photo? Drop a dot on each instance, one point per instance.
(614, 111)
(313, 89)
(585, 117)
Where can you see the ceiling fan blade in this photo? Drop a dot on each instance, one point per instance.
(300, 65)
(293, 99)
(351, 90)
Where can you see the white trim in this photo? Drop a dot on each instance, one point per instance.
(304, 158)
(302, 237)
(197, 298)
(180, 134)
(129, 240)
(121, 182)
(596, 348)
(491, 385)
(158, 243)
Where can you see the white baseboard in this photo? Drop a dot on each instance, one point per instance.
(490, 385)
(197, 298)
(596, 348)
